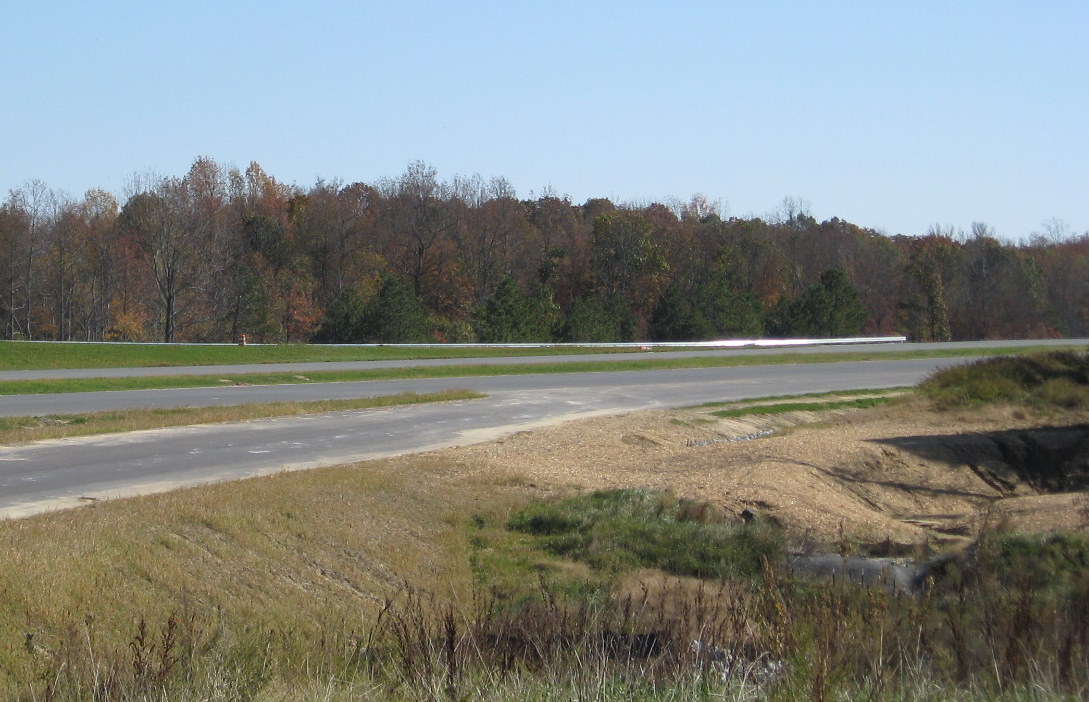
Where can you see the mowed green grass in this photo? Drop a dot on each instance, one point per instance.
(37, 355)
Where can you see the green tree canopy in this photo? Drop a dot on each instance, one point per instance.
(393, 316)
(595, 318)
(830, 308)
(344, 322)
(677, 317)
(712, 306)
(512, 316)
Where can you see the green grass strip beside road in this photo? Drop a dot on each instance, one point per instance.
(31, 387)
(24, 355)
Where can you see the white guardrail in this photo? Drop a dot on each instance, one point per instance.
(650, 345)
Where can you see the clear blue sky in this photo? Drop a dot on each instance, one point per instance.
(893, 115)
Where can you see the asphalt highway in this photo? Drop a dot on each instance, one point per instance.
(60, 473)
(66, 472)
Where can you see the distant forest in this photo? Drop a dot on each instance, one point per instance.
(221, 252)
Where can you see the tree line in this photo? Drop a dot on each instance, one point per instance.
(220, 252)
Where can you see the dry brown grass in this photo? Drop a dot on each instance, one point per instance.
(291, 552)
(318, 551)
(21, 430)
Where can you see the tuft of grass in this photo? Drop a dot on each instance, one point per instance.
(20, 430)
(1048, 381)
(618, 530)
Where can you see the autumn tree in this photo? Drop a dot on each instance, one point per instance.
(154, 222)
(1002, 293)
(419, 225)
(875, 266)
(559, 248)
(1064, 266)
(61, 256)
(14, 239)
(930, 264)
(100, 262)
(77, 268)
(272, 271)
(206, 216)
(628, 267)
(492, 224)
(35, 208)
(754, 263)
(257, 259)
(336, 226)
(218, 252)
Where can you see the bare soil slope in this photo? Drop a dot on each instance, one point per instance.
(899, 477)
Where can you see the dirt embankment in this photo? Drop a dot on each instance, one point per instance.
(886, 478)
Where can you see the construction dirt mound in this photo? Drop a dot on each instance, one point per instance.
(884, 480)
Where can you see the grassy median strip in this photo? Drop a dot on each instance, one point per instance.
(18, 430)
(33, 387)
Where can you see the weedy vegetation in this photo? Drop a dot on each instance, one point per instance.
(1052, 380)
(1007, 621)
(614, 530)
(982, 631)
